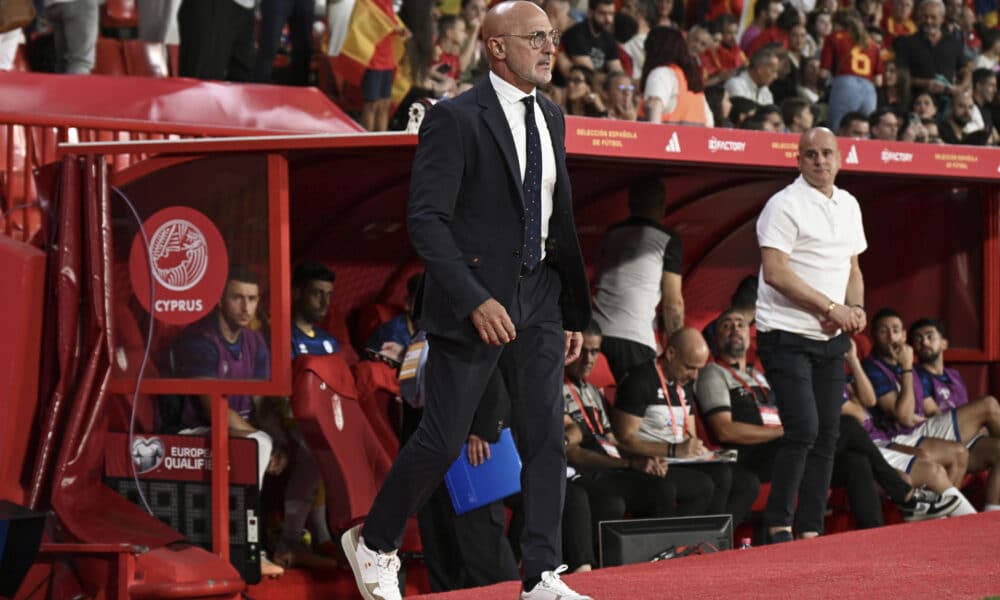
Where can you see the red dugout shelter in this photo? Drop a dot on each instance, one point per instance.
(932, 216)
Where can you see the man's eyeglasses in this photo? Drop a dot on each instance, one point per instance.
(626, 87)
(536, 39)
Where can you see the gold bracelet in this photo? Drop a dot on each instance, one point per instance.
(830, 307)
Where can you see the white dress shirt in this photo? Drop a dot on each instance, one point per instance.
(744, 87)
(510, 101)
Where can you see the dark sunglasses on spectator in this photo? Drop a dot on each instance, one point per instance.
(536, 39)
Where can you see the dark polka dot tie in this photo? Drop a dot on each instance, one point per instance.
(532, 187)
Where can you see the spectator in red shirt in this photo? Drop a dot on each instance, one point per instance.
(723, 60)
(777, 33)
(765, 14)
(900, 23)
(451, 39)
(853, 60)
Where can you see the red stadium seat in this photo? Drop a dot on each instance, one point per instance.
(378, 395)
(109, 58)
(146, 59)
(352, 461)
(119, 14)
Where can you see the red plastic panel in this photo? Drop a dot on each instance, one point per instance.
(23, 267)
(204, 108)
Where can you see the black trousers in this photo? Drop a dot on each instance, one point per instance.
(807, 377)
(460, 551)
(456, 374)
(216, 40)
(734, 489)
(273, 16)
(858, 466)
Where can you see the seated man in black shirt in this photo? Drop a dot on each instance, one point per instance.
(652, 417)
(736, 401)
(611, 481)
(935, 61)
(590, 43)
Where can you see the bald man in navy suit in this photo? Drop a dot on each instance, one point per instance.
(491, 215)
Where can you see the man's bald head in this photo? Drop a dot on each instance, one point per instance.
(507, 28)
(810, 135)
(686, 353)
(819, 159)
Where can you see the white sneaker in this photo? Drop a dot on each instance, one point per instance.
(551, 587)
(376, 573)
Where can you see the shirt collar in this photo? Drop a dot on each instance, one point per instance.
(834, 197)
(506, 92)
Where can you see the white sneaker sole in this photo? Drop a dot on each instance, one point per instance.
(349, 542)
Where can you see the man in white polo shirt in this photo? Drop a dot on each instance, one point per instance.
(810, 299)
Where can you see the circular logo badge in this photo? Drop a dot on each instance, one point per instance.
(188, 260)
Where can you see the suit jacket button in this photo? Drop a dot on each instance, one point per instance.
(517, 254)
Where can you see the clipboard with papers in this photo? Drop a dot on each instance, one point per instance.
(715, 456)
(472, 487)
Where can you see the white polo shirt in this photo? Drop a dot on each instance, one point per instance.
(819, 235)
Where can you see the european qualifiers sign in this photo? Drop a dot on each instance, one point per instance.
(188, 261)
(174, 473)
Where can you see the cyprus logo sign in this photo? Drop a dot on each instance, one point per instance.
(188, 261)
(180, 255)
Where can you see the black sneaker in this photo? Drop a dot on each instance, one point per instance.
(920, 510)
(780, 537)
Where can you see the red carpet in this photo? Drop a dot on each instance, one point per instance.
(949, 558)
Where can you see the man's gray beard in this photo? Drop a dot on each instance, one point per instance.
(734, 351)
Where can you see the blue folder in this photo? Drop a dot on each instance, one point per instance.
(471, 487)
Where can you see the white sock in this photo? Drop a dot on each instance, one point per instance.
(264, 447)
(964, 507)
(988, 507)
(317, 525)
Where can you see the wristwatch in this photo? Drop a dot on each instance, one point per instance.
(830, 307)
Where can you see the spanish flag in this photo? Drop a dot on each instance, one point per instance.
(371, 21)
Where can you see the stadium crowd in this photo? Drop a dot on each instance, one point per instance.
(891, 70)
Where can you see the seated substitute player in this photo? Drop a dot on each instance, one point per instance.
(222, 346)
(312, 289)
(614, 482)
(652, 417)
(864, 457)
(946, 396)
(305, 501)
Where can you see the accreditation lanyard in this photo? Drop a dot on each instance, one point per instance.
(768, 414)
(739, 380)
(677, 428)
(599, 430)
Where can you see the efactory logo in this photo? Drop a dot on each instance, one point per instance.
(715, 145)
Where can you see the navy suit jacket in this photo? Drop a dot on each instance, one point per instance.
(466, 215)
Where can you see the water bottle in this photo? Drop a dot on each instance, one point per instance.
(745, 543)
